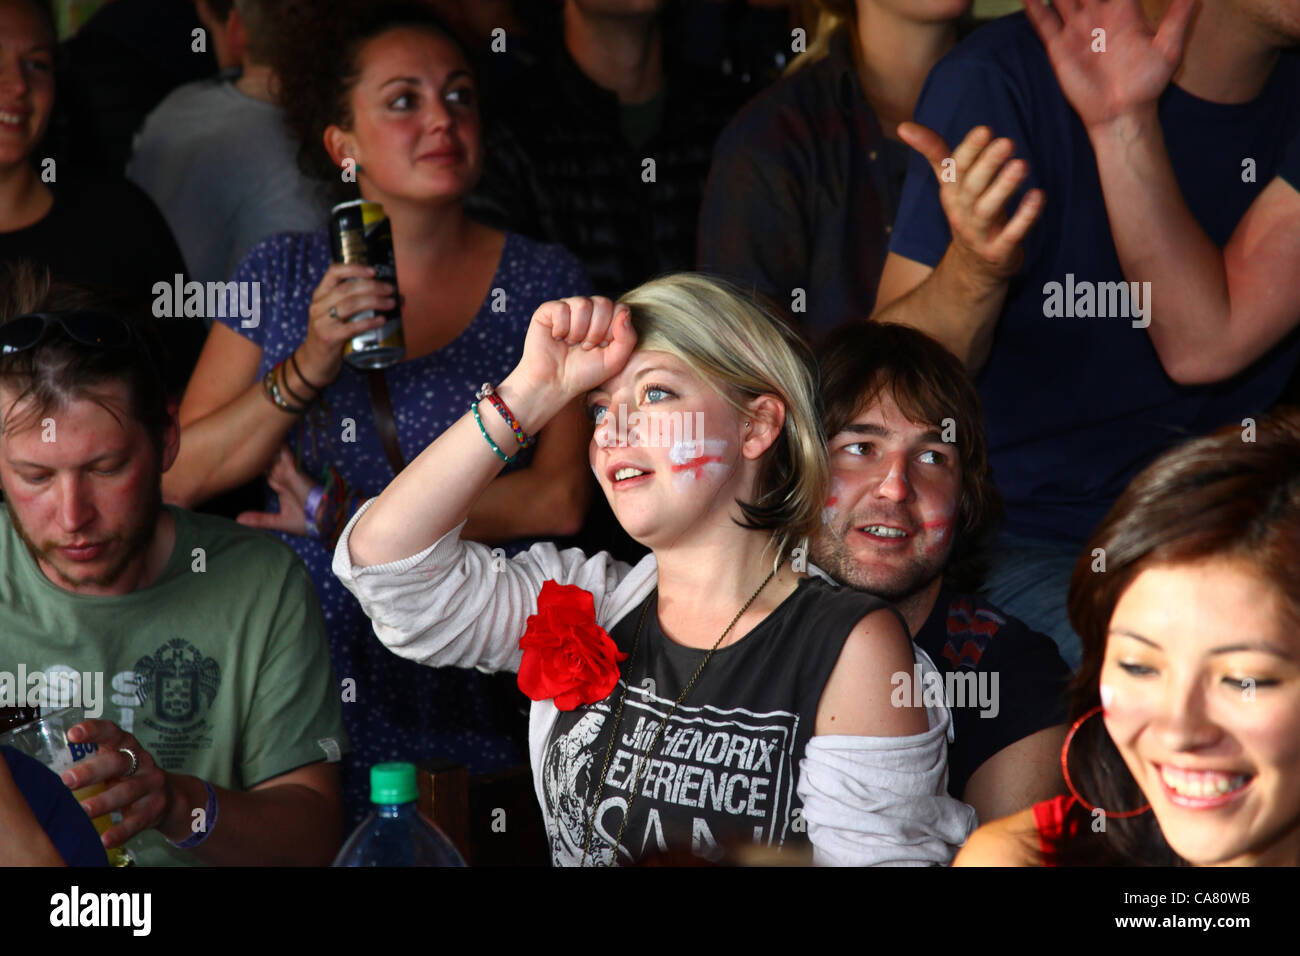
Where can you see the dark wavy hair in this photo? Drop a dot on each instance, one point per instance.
(1217, 496)
(315, 55)
(862, 361)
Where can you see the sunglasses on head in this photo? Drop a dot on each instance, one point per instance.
(96, 329)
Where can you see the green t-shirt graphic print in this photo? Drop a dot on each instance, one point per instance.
(220, 668)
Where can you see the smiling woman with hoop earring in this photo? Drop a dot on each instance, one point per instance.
(1183, 750)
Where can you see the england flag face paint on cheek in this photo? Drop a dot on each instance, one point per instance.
(830, 510)
(1107, 695)
(938, 512)
(940, 530)
(694, 461)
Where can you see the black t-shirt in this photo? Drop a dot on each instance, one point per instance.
(109, 233)
(1019, 679)
(726, 767)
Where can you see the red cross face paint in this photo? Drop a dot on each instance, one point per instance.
(887, 525)
(829, 509)
(939, 531)
(696, 461)
(664, 449)
(1201, 689)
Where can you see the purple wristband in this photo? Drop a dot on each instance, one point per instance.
(309, 509)
(209, 821)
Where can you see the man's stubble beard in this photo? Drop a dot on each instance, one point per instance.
(832, 555)
(135, 541)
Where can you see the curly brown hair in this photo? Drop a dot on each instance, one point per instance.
(315, 61)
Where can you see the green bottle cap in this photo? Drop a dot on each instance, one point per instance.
(393, 783)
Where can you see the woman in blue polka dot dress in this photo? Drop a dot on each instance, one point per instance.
(274, 396)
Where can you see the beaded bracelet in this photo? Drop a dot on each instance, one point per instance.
(496, 448)
(490, 393)
(272, 389)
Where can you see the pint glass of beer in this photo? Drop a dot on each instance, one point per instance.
(47, 740)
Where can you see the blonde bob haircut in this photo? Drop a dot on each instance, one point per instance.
(743, 350)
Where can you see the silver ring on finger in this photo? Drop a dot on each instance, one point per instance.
(334, 311)
(135, 761)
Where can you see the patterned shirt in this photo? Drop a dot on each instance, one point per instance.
(1007, 681)
(400, 710)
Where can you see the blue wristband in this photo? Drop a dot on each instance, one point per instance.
(209, 821)
(309, 509)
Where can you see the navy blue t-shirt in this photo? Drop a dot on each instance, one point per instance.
(56, 810)
(1076, 406)
(1019, 682)
(1289, 167)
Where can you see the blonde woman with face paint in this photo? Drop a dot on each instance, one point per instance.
(736, 700)
(1188, 700)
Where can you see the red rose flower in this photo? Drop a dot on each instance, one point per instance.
(567, 655)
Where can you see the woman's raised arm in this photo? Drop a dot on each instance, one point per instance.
(572, 346)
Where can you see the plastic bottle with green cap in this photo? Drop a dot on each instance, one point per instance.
(394, 833)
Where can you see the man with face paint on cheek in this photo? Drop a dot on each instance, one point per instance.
(911, 498)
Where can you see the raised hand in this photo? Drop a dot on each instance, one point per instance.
(975, 182)
(574, 344)
(1108, 75)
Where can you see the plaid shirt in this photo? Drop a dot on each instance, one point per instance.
(802, 194)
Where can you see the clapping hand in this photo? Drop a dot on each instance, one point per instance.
(1108, 60)
(975, 183)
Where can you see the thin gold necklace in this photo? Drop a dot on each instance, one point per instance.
(618, 718)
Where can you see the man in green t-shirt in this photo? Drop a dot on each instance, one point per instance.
(197, 644)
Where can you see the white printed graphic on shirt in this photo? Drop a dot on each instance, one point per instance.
(712, 765)
(566, 771)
